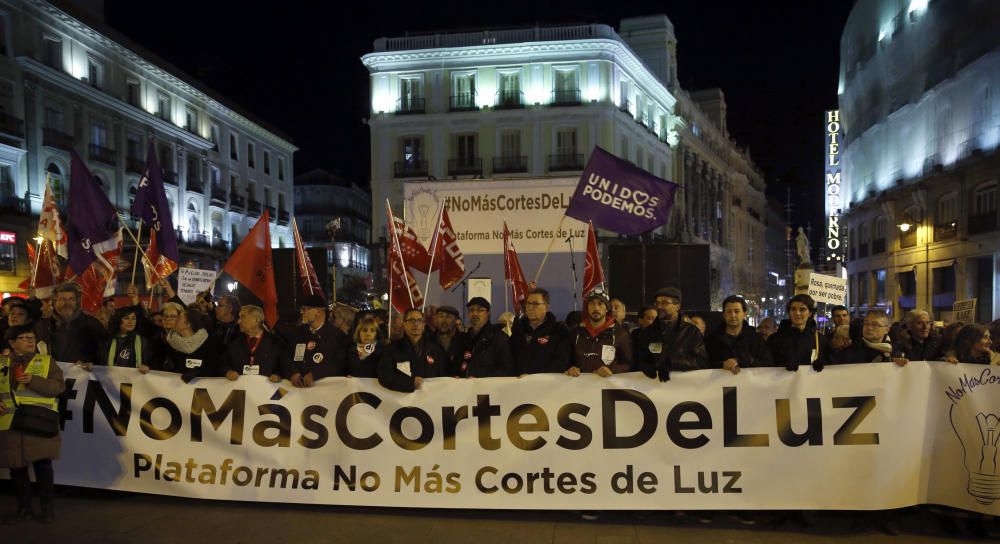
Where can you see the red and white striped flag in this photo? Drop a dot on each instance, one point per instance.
(307, 274)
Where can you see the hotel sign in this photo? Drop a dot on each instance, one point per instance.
(834, 198)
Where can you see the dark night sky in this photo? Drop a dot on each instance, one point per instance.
(297, 67)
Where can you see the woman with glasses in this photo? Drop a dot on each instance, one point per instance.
(28, 378)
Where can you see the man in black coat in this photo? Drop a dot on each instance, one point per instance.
(736, 345)
(75, 336)
(254, 351)
(670, 344)
(487, 351)
(454, 341)
(539, 343)
(918, 341)
(227, 312)
(318, 349)
(410, 359)
(874, 346)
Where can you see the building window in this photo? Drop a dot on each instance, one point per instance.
(213, 136)
(509, 93)
(163, 106)
(98, 134)
(879, 276)
(55, 178)
(463, 91)
(52, 52)
(566, 88)
(281, 169)
(134, 146)
(234, 148)
(234, 183)
(251, 162)
(412, 149)
(411, 95)
(863, 291)
(566, 141)
(985, 200)
(267, 162)
(946, 221)
(132, 92)
(510, 144)
(95, 72)
(191, 119)
(54, 118)
(194, 218)
(8, 258)
(878, 241)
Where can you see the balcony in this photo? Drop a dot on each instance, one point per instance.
(466, 166)
(254, 208)
(908, 238)
(983, 222)
(11, 126)
(945, 231)
(56, 139)
(509, 100)
(11, 203)
(507, 165)
(283, 217)
(565, 97)
(102, 154)
(410, 169)
(565, 162)
(134, 164)
(410, 105)
(219, 244)
(625, 107)
(463, 102)
(169, 176)
(218, 196)
(195, 185)
(237, 202)
(878, 246)
(193, 239)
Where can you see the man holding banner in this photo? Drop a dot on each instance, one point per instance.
(670, 344)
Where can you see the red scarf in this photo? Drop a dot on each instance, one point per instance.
(594, 333)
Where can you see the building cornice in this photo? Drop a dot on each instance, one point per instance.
(530, 52)
(66, 82)
(168, 78)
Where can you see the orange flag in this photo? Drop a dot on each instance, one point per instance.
(251, 265)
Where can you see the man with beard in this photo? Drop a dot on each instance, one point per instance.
(75, 336)
(539, 343)
(602, 344)
(736, 345)
(451, 339)
(413, 357)
(670, 344)
(487, 348)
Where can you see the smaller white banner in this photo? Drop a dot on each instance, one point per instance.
(191, 281)
(828, 289)
(964, 310)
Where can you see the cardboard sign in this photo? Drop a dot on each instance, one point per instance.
(191, 281)
(828, 289)
(964, 311)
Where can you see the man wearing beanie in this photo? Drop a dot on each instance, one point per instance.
(602, 345)
(670, 343)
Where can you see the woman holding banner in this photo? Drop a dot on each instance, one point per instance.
(127, 347)
(30, 383)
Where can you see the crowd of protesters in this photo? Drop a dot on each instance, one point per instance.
(222, 338)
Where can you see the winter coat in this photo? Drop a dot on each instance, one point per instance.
(79, 339)
(748, 348)
(667, 346)
(367, 367)
(992, 358)
(18, 449)
(547, 348)
(487, 354)
(859, 352)
(914, 350)
(201, 362)
(792, 347)
(266, 355)
(322, 353)
(611, 346)
(427, 360)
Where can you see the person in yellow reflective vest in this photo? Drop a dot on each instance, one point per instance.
(37, 380)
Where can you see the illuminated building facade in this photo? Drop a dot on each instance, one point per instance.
(918, 104)
(533, 102)
(67, 81)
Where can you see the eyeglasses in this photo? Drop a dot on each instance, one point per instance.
(27, 337)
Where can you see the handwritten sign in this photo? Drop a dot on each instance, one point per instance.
(964, 310)
(828, 289)
(191, 281)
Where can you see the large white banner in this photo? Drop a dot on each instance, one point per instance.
(868, 436)
(532, 208)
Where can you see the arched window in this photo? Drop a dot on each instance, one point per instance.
(946, 218)
(194, 218)
(984, 209)
(57, 183)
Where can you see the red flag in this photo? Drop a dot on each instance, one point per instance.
(448, 258)
(156, 264)
(50, 226)
(414, 253)
(43, 271)
(512, 270)
(593, 274)
(98, 280)
(307, 274)
(251, 265)
(404, 292)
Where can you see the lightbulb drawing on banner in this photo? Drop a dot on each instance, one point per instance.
(979, 434)
(424, 208)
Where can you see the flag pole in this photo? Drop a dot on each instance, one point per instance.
(549, 250)
(135, 257)
(134, 239)
(506, 272)
(430, 267)
(38, 257)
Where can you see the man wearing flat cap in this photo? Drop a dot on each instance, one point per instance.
(670, 344)
(318, 349)
(454, 341)
(602, 345)
(487, 352)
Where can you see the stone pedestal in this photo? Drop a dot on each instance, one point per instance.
(802, 274)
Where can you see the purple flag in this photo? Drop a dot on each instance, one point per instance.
(151, 205)
(91, 218)
(621, 197)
